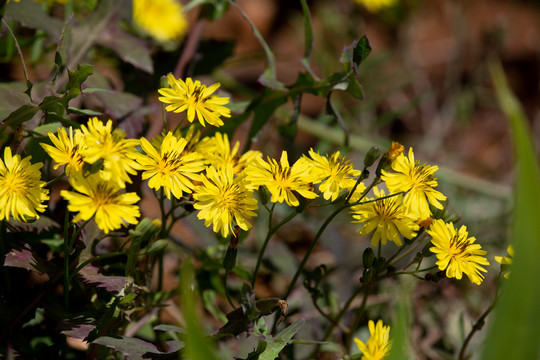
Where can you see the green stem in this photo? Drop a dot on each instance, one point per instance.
(227, 289)
(66, 260)
(318, 236)
(3, 258)
(356, 321)
(271, 231)
(415, 271)
(55, 179)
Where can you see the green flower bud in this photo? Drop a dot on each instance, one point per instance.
(367, 257)
(263, 194)
(372, 156)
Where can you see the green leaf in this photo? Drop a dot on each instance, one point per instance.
(17, 117)
(128, 47)
(308, 31)
(270, 101)
(357, 52)
(268, 78)
(31, 14)
(401, 324)
(198, 346)
(84, 112)
(515, 328)
(76, 78)
(282, 339)
(127, 346)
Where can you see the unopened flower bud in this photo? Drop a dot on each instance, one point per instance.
(367, 257)
(229, 261)
(263, 194)
(372, 156)
(390, 155)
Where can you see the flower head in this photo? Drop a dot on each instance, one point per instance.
(168, 167)
(219, 153)
(418, 181)
(101, 198)
(376, 5)
(334, 171)
(163, 19)
(197, 99)
(386, 217)
(281, 179)
(21, 192)
(378, 345)
(66, 149)
(224, 200)
(101, 142)
(506, 261)
(456, 252)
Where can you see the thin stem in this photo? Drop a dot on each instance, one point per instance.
(395, 260)
(320, 310)
(476, 327)
(66, 260)
(271, 231)
(356, 322)
(18, 49)
(318, 236)
(415, 271)
(55, 179)
(3, 258)
(227, 289)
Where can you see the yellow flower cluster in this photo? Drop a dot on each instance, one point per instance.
(221, 181)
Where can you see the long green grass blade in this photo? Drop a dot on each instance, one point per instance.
(515, 329)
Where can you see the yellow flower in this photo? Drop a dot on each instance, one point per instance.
(197, 99)
(336, 171)
(418, 181)
(162, 19)
(378, 345)
(387, 217)
(224, 201)
(219, 154)
(21, 192)
(101, 142)
(66, 150)
(101, 198)
(170, 168)
(395, 150)
(506, 261)
(281, 179)
(456, 252)
(376, 5)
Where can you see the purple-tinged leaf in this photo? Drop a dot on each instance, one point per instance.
(92, 277)
(42, 224)
(25, 258)
(80, 331)
(128, 47)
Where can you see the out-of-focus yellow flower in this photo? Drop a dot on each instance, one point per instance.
(506, 261)
(224, 200)
(457, 252)
(162, 19)
(66, 149)
(101, 198)
(418, 181)
(197, 99)
(378, 345)
(387, 218)
(21, 192)
(168, 167)
(376, 5)
(101, 142)
(281, 179)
